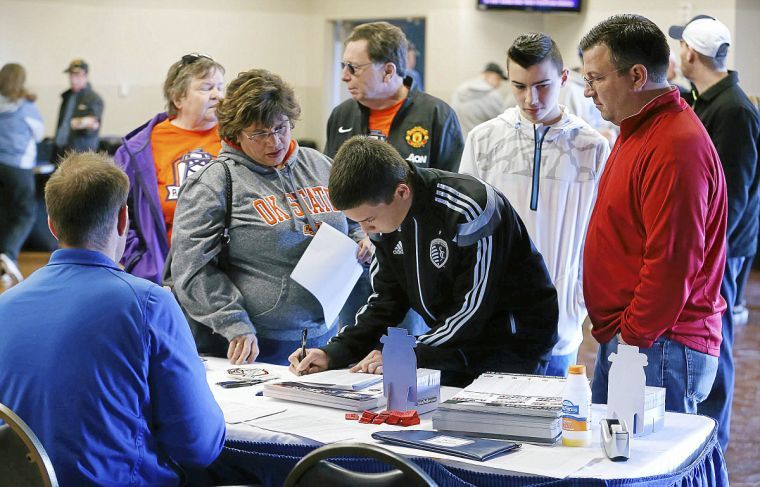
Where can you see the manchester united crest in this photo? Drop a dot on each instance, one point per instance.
(417, 137)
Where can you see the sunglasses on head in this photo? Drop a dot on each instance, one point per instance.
(189, 59)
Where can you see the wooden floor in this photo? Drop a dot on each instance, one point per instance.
(743, 457)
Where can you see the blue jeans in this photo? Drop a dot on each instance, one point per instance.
(17, 208)
(719, 401)
(742, 278)
(686, 374)
(278, 351)
(558, 364)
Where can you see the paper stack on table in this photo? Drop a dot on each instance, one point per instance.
(335, 389)
(654, 410)
(509, 406)
(340, 379)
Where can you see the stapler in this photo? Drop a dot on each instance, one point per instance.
(616, 439)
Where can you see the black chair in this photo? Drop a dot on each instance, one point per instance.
(23, 460)
(314, 469)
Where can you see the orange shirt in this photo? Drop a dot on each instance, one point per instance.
(291, 148)
(380, 120)
(177, 153)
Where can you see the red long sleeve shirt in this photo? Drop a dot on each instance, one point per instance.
(655, 249)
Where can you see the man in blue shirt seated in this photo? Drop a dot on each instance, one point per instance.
(99, 363)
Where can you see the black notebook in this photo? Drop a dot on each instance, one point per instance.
(480, 449)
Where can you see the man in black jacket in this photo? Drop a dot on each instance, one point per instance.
(734, 127)
(452, 248)
(422, 128)
(384, 105)
(80, 113)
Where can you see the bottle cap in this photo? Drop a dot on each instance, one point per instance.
(577, 369)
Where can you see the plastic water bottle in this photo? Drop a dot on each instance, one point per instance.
(576, 408)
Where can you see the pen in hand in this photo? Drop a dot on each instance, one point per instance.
(304, 334)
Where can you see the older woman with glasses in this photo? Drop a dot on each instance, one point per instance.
(279, 199)
(159, 155)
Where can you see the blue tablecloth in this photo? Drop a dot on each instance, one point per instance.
(270, 463)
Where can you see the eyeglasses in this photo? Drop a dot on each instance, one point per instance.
(590, 81)
(353, 67)
(246, 373)
(189, 59)
(279, 131)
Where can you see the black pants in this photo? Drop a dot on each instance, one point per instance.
(17, 208)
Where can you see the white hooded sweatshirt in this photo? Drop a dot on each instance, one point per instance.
(555, 202)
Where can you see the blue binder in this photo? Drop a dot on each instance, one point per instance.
(480, 449)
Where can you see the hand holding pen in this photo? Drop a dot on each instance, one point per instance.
(307, 361)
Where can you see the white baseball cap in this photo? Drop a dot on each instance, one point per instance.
(706, 35)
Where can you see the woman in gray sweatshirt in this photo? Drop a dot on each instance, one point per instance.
(279, 198)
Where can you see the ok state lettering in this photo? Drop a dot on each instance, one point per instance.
(317, 200)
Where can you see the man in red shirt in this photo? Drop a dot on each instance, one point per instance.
(655, 249)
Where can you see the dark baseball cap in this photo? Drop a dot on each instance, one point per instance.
(495, 68)
(77, 65)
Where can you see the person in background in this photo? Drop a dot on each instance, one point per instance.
(411, 65)
(451, 247)
(572, 97)
(159, 155)
(280, 197)
(655, 246)
(122, 397)
(547, 162)
(733, 124)
(421, 127)
(676, 78)
(81, 112)
(478, 100)
(21, 128)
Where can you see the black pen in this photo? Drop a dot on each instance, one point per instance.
(304, 334)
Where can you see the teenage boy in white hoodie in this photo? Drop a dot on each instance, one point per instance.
(547, 162)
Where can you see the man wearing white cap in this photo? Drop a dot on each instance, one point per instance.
(734, 127)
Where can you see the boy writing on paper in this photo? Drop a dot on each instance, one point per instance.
(450, 247)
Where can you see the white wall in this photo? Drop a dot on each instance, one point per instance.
(568, 30)
(135, 42)
(132, 43)
(746, 39)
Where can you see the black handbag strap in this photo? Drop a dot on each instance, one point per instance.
(224, 252)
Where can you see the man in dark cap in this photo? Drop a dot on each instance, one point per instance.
(80, 114)
(479, 99)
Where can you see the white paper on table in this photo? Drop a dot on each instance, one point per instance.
(340, 379)
(238, 412)
(329, 269)
(518, 385)
(323, 429)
